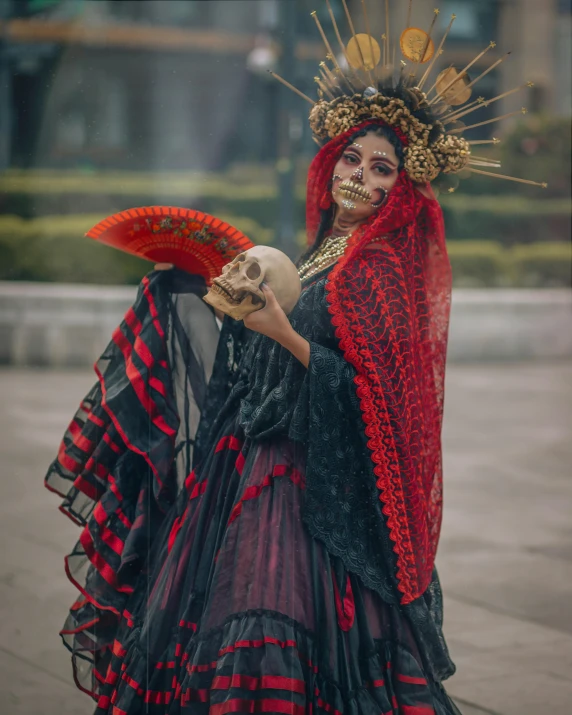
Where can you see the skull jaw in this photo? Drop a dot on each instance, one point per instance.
(238, 311)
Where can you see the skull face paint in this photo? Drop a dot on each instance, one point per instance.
(363, 176)
(237, 290)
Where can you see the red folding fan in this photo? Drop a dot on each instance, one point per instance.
(191, 240)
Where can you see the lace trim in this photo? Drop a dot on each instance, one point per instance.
(396, 521)
(355, 348)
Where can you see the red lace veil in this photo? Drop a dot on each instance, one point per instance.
(390, 308)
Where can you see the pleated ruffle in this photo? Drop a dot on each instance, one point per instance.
(114, 474)
(264, 662)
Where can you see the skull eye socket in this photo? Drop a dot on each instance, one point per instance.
(241, 257)
(253, 271)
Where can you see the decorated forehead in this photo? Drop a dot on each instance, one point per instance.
(427, 107)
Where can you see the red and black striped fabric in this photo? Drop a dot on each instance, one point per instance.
(243, 611)
(114, 470)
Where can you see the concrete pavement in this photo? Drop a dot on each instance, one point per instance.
(505, 557)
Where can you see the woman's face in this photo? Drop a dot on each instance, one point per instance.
(366, 170)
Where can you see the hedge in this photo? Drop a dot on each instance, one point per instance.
(477, 264)
(508, 217)
(54, 249)
(542, 265)
(487, 264)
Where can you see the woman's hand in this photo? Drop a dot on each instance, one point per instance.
(273, 322)
(270, 320)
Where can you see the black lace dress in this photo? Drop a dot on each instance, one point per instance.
(270, 585)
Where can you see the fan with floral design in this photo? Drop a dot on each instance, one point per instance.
(191, 240)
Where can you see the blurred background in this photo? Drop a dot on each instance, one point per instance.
(110, 104)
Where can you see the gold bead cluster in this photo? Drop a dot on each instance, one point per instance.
(423, 161)
(452, 153)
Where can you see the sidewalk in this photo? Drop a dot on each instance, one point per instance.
(505, 558)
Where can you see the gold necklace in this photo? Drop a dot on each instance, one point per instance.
(329, 251)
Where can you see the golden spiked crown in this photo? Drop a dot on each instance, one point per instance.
(371, 86)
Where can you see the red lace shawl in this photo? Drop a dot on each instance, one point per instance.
(390, 308)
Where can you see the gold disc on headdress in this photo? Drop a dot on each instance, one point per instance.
(412, 42)
(366, 44)
(455, 93)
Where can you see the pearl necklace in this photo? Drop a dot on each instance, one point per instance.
(330, 250)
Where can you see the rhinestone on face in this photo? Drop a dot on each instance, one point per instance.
(358, 174)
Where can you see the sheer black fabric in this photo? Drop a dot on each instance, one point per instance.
(269, 582)
(193, 337)
(119, 460)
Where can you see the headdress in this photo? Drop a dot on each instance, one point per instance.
(427, 121)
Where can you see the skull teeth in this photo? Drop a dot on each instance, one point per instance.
(354, 191)
(232, 296)
(226, 293)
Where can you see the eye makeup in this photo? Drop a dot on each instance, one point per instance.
(385, 169)
(385, 162)
(379, 161)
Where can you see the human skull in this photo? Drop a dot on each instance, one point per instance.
(237, 291)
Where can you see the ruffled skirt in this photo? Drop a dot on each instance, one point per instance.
(241, 610)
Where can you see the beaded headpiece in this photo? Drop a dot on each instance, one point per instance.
(369, 86)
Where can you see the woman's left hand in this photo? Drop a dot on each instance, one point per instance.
(270, 320)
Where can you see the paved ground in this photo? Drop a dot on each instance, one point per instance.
(505, 557)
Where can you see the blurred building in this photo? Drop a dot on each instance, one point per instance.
(143, 85)
(170, 85)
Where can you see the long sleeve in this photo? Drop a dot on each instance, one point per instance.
(342, 507)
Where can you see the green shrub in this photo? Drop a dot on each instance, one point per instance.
(502, 211)
(477, 264)
(537, 147)
(250, 227)
(508, 218)
(543, 265)
(54, 249)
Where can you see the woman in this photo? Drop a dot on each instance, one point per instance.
(294, 571)
(261, 508)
